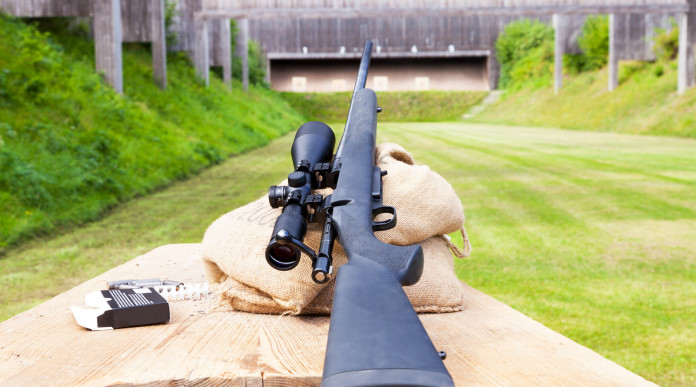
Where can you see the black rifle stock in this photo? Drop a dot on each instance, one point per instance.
(375, 336)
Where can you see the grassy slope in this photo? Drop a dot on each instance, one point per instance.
(407, 106)
(70, 147)
(565, 228)
(644, 103)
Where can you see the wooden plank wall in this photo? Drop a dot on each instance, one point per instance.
(136, 17)
(47, 8)
(436, 34)
(184, 24)
(393, 34)
(634, 34)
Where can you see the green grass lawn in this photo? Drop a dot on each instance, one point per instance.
(646, 102)
(399, 106)
(592, 234)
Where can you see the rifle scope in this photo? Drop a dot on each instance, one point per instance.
(313, 144)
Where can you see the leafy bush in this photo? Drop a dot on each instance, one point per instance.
(659, 70)
(535, 69)
(594, 42)
(666, 43)
(521, 39)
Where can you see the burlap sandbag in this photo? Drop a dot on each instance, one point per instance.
(234, 246)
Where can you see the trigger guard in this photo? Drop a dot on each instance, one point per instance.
(386, 224)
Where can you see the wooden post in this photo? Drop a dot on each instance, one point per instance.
(691, 46)
(267, 78)
(613, 57)
(685, 72)
(559, 45)
(159, 44)
(226, 52)
(201, 58)
(243, 44)
(107, 41)
(493, 68)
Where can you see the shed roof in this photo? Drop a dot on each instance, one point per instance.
(472, 4)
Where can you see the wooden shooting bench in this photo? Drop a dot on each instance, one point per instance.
(488, 343)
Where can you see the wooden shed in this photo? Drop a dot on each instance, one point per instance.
(438, 44)
(445, 44)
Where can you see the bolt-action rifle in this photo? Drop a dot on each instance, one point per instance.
(375, 336)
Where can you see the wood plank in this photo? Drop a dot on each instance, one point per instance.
(685, 70)
(201, 56)
(226, 52)
(558, 52)
(689, 42)
(613, 54)
(488, 343)
(243, 44)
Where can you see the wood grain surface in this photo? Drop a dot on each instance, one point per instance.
(487, 344)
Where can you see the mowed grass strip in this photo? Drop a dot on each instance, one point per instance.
(590, 233)
(593, 234)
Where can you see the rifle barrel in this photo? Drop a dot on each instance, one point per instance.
(361, 79)
(360, 82)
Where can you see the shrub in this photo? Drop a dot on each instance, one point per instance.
(666, 43)
(534, 69)
(518, 40)
(659, 70)
(594, 42)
